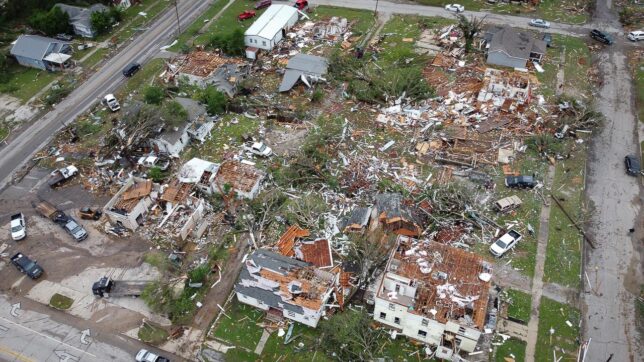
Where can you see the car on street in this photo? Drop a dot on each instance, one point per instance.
(456, 8)
(263, 4)
(18, 227)
(632, 164)
(520, 182)
(247, 14)
(61, 175)
(146, 356)
(130, 69)
(506, 242)
(27, 266)
(110, 101)
(601, 36)
(547, 38)
(636, 35)
(539, 23)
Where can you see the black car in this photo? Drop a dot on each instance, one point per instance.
(27, 266)
(601, 36)
(632, 165)
(131, 69)
(547, 38)
(520, 182)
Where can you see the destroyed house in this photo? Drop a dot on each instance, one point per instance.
(172, 140)
(203, 68)
(510, 47)
(201, 173)
(317, 252)
(303, 67)
(393, 215)
(357, 221)
(435, 294)
(131, 203)
(504, 88)
(81, 18)
(200, 123)
(244, 179)
(285, 287)
(271, 27)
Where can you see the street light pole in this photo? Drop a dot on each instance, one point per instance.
(375, 13)
(176, 9)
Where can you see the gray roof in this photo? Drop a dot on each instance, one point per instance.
(302, 64)
(81, 15)
(276, 262)
(194, 108)
(359, 216)
(35, 46)
(392, 205)
(513, 42)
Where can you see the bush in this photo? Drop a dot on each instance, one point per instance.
(199, 274)
(50, 22)
(101, 22)
(56, 94)
(231, 43)
(215, 100)
(115, 13)
(156, 174)
(153, 95)
(317, 96)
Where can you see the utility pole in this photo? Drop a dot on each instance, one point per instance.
(375, 12)
(176, 10)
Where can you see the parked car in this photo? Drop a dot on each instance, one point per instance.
(247, 14)
(70, 225)
(539, 23)
(632, 165)
(27, 266)
(146, 356)
(63, 37)
(547, 38)
(263, 4)
(75, 229)
(520, 182)
(301, 4)
(154, 161)
(87, 213)
(508, 203)
(61, 175)
(636, 35)
(18, 227)
(258, 148)
(130, 69)
(506, 242)
(601, 36)
(455, 8)
(110, 101)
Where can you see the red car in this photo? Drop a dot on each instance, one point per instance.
(246, 15)
(301, 4)
(263, 4)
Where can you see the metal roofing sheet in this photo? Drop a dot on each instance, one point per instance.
(271, 21)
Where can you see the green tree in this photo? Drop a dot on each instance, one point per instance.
(470, 27)
(153, 95)
(50, 22)
(116, 14)
(230, 43)
(350, 337)
(215, 100)
(101, 21)
(174, 113)
(156, 174)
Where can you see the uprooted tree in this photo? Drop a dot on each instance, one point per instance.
(369, 252)
(470, 27)
(348, 336)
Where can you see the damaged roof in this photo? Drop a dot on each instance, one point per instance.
(317, 252)
(130, 197)
(239, 176)
(302, 64)
(203, 64)
(390, 205)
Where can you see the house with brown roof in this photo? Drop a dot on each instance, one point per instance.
(293, 244)
(131, 203)
(286, 287)
(435, 294)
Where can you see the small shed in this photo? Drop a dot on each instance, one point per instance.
(305, 67)
(271, 27)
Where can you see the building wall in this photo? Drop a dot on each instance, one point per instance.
(502, 59)
(129, 220)
(258, 42)
(309, 318)
(408, 323)
(33, 63)
(173, 149)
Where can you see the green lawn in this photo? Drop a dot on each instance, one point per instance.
(193, 30)
(133, 22)
(95, 58)
(552, 10)
(513, 348)
(25, 82)
(4, 132)
(240, 329)
(61, 302)
(553, 317)
(152, 334)
(143, 77)
(519, 304)
(577, 63)
(639, 89)
(563, 253)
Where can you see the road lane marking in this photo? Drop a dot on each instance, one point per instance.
(14, 354)
(48, 337)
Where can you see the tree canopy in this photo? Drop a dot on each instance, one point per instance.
(50, 22)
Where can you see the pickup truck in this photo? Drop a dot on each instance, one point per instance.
(111, 102)
(27, 266)
(258, 148)
(146, 356)
(506, 242)
(61, 175)
(107, 287)
(18, 227)
(66, 222)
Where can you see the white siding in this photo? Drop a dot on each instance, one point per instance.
(266, 31)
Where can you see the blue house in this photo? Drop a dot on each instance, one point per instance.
(40, 52)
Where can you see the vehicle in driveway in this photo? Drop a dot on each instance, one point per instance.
(506, 242)
(146, 356)
(456, 8)
(539, 23)
(301, 4)
(87, 213)
(130, 69)
(520, 182)
(61, 175)
(27, 266)
(18, 227)
(75, 229)
(632, 164)
(636, 35)
(258, 148)
(601, 36)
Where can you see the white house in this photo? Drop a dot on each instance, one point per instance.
(173, 140)
(131, 203)
(201, 173)
(271, 27)
(435, 294)
(286, 287)
(198, 126)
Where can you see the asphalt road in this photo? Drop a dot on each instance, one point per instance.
(22, 147)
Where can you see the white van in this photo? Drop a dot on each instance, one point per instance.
(636, 35)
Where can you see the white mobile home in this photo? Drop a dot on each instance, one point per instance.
(271, 27)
